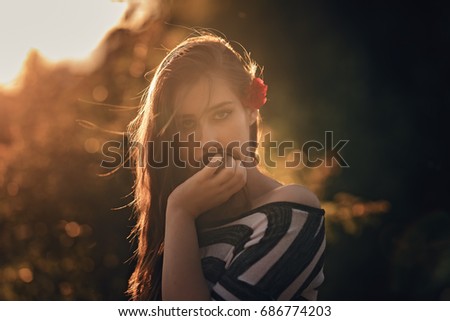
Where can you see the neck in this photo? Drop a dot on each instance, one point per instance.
(258, 185)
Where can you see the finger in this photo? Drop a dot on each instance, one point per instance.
(227, 163)
(240, 176)
(241, 168)
(238, 180)
(212, 166)
(227, 173)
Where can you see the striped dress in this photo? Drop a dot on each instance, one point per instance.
(273, 252)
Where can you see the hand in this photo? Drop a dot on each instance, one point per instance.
(209, 187)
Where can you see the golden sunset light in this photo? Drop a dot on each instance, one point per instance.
(106, 106)
(59, 30)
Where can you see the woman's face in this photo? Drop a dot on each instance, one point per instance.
(208, 112)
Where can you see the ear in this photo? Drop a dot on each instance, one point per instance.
(252, 115)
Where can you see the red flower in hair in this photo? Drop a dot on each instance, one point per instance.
(256, 96)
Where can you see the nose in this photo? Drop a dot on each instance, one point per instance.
(208, 139)
(207, 134)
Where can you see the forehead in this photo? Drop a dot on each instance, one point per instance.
(195, 98)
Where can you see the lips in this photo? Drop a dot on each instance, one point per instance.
(208, 156)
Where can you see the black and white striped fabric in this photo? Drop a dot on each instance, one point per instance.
(273, 252)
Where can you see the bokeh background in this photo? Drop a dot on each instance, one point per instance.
(375, 74)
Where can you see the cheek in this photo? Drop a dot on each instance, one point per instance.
(242, 129)
(236, 129)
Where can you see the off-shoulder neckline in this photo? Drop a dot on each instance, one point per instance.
(295, 205)
(289, 204)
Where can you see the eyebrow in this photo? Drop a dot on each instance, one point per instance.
(221, 104)
(213, 107)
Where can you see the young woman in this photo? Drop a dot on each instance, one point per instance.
(211, 225)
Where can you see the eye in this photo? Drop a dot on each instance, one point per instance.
(187, 124)
(221, 114)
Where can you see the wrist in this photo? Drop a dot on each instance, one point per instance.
(177, 211)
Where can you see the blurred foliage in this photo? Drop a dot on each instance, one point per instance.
(366, 73)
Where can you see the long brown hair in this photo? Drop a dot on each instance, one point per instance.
(199, 55)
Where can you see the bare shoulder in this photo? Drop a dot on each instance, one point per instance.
(295, 193)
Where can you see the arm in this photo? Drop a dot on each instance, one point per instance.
(182, 275)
